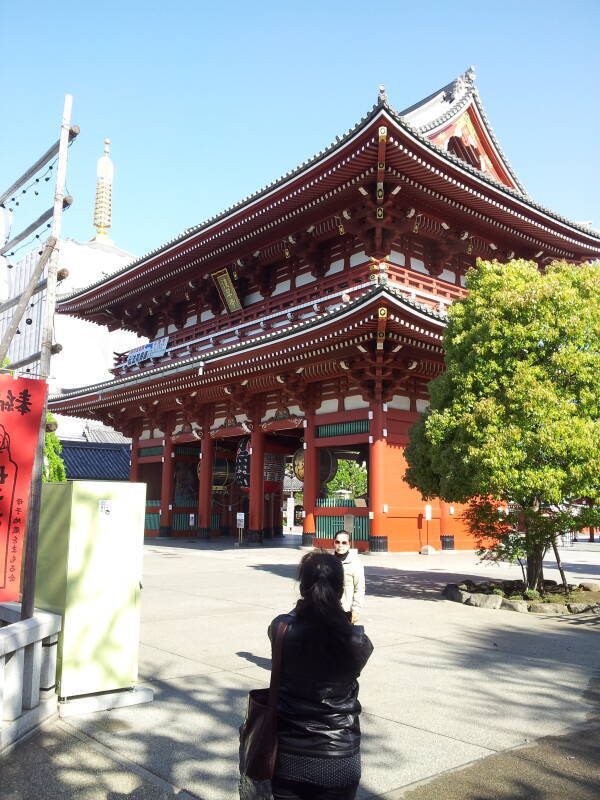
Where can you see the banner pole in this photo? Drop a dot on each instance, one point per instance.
(33, 518)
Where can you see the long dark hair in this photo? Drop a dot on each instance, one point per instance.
(321, 577)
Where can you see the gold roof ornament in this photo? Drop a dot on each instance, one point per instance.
(103, 205)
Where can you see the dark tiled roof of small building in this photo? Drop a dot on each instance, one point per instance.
(104, 435)
(96, 461)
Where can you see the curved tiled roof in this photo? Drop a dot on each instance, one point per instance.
(95, 461)
(449, 102)
(400, 119)
(201, 359)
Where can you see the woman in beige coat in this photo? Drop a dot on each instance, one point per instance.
(354, 576)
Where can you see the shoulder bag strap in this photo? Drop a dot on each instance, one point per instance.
(276, 664)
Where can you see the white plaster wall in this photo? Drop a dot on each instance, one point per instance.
(336, 266)
(448, 275)
(328, 407)
(418, 265)
(422, 405)
(358, 258)
(400, 402)
(283, 286)
(397, 258)
(306, 277)
(353, 402)
(206, 315)
(254, 297)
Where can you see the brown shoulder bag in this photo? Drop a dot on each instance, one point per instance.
(258, 734)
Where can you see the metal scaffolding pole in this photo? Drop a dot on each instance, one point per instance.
(33, 520)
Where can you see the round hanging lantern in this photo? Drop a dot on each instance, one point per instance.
(222, 474)
(328, 464)
(273, 472)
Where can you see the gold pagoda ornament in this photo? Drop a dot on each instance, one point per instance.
(103, 206)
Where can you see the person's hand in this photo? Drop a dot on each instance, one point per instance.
(354, 618)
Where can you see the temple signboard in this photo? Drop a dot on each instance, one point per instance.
(154, 349)
(21, 407)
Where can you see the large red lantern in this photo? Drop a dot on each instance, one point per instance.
(273, 472)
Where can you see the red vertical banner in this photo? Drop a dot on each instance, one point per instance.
(21, 407)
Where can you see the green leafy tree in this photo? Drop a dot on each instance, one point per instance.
(516, 415)
(351, 477)
(54, 467)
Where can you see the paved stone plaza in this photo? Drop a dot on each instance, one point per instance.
(447, 686)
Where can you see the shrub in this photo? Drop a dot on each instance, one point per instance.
(531, 594)
(498, 591)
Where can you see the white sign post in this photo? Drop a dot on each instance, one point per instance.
(349, 527)
(289, 513)
(428, 518)
(240, 518)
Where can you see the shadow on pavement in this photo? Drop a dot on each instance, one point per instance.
(259, 661)
(188, 736)
(393, 582)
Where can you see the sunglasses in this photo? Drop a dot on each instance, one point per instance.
(338, 541)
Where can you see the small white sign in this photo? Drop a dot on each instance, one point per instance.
(289, 512)
(428, 512)
(349, 524)
(105, 507)
(154, 349)
(241, 519)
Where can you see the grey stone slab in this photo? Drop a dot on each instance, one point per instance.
(554, 768)
(188, 736)
(486, 696)
(395, 755)
(548, 608)
(514, 605)
(70, 769)
(579, 608)
(457, 595)
(493, 601)
(155, 662)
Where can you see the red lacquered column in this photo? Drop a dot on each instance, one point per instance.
(257, 480)
(207, 453)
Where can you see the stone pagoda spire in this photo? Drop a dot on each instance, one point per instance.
(103, 206)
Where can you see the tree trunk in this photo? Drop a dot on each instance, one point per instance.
(535, 570)
(560, 566)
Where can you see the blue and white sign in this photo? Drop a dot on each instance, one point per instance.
(154, 349)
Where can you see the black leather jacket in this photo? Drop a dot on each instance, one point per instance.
(318, 699)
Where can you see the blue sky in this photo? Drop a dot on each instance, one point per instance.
(207, 103)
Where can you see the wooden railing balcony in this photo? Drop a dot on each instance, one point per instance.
(291, 306)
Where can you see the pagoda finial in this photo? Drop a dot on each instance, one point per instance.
(103, 206)
(382, 96)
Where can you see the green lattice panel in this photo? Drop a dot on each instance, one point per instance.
(143, 452)
(151, 522)
(181, 522)
(186, 450)
(343, 428)
(328, 526)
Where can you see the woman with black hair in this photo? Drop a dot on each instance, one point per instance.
(323, 654)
